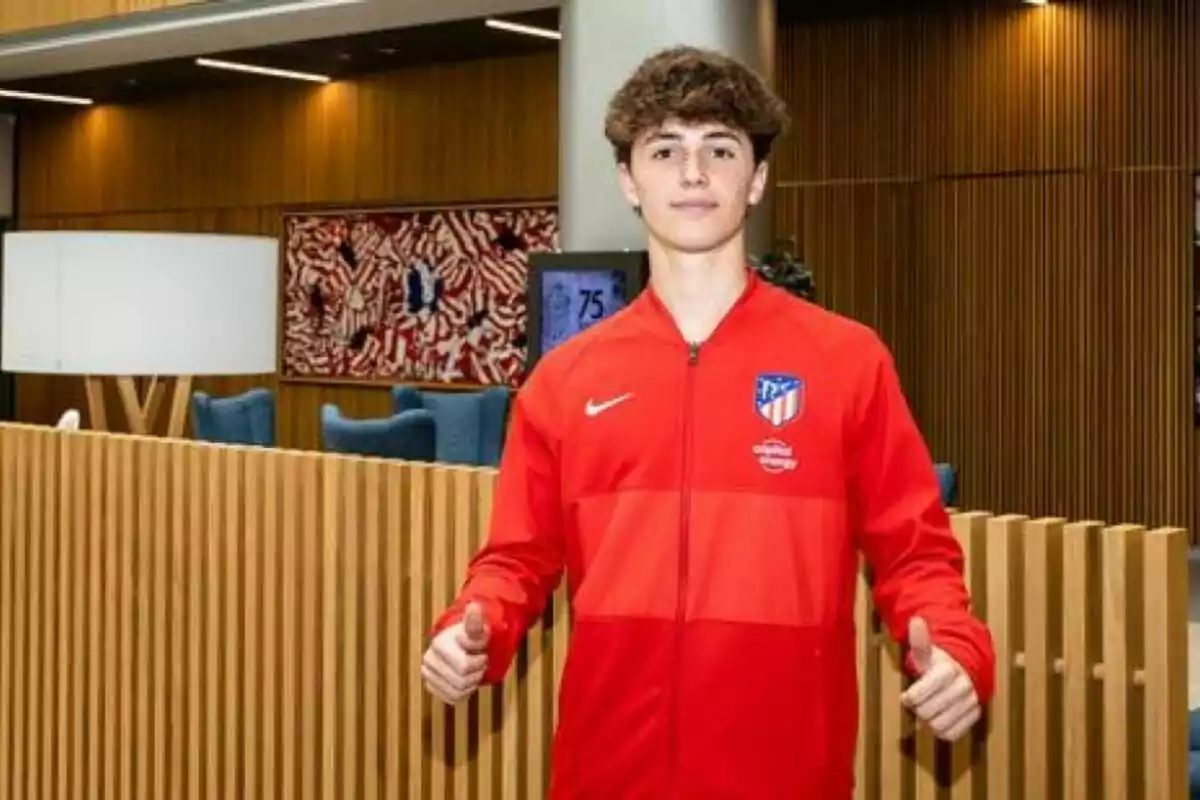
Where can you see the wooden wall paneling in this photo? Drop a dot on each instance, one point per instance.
(990, 88)
(995, 83)
(979, 278)
(1146, 114)
(20, 16)
(1062, 143)
(1041, 326)
(1063, 320)
(790, 83)
(867, 96)
(858, 240)
(452, 133)
(789, 218)
(1050, 149)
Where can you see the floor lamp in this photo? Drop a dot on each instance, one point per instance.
(166, 307)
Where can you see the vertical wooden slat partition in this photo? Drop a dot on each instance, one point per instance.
(184, 620)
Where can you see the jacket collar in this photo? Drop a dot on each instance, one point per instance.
(658, 317)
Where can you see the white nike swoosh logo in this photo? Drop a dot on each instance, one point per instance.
(599, 408)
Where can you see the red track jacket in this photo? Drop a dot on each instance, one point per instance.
(709, 505)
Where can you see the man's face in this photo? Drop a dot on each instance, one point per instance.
(693, 184)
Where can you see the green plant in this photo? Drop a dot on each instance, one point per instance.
(781, 268)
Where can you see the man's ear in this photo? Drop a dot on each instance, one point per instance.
(628, 185)
(758, 184)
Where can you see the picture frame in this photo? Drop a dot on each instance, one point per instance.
(425, 295)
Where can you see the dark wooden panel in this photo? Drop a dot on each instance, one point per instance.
(1071, 85)
(18, 16)
(469, 131)
(1055, 364)
(1040, 164)
(1042, 328)
(859, 239)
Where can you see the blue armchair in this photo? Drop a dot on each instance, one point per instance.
(407, 436)
(246, 419)
(947, 478)
(470, 425)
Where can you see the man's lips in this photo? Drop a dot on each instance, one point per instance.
(694, 206)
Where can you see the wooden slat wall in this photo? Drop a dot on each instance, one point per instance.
(451, 133)
(184, 620)
(232, 160)
(22, 16)
(1005, 191)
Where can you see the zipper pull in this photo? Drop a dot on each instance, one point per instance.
(693, 353)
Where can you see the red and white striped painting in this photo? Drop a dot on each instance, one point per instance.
(427, 295)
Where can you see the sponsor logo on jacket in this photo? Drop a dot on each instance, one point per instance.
(775, 456)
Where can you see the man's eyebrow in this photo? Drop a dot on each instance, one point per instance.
(669, 136)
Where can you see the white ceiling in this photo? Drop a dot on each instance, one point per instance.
(223, 25)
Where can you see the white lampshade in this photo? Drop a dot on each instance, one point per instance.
(100, 303)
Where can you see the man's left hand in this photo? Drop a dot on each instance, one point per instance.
(943, 697)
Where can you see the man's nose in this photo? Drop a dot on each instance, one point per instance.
(693, 170)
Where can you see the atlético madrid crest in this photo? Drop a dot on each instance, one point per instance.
(779, 399)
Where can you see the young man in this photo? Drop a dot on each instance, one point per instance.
(707, 466)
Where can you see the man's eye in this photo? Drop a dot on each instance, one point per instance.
(661, 153)
(723, 152)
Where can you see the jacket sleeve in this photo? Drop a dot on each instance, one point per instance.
(904, 531)
(521, 562)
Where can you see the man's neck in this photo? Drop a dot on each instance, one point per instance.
(698, 289)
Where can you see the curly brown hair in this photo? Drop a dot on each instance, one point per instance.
(694, 85)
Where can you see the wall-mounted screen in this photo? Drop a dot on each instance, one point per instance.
(571, 292)
(574, 300)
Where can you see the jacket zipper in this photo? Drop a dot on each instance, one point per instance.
(684, 526)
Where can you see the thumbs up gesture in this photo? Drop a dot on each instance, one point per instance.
(943, 696)
(454, 664)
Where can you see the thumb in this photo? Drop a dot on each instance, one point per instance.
(474, 626)
(920, 645)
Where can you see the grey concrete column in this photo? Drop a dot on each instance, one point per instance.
(603, 42)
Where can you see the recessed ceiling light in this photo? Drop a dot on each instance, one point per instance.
(46, 98)
(1037, 2)
(529, 30)
(234, 66)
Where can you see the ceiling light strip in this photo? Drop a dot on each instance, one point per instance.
(46, 98)
(529, 30)
(234, 66)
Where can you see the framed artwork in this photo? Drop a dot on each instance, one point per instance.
(422, 295)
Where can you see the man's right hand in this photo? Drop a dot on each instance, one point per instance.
(456, 660)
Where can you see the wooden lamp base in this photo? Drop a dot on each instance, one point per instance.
(141, 411)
